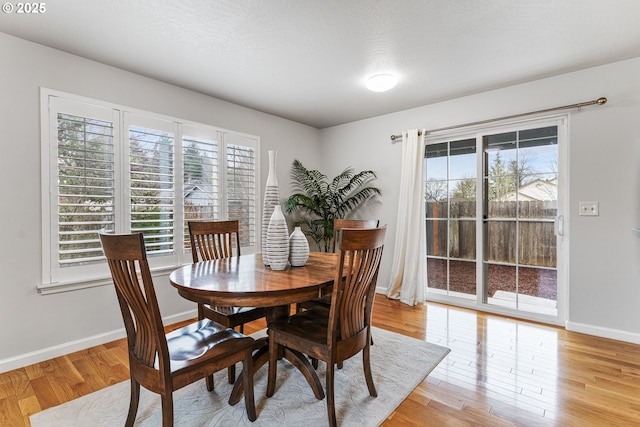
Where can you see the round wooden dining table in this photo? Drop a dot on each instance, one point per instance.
(245, 281)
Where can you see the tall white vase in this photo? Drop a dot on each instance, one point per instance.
(277, 240)
(271, 199)
(298, 248)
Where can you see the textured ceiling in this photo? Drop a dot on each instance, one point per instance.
(307, 60)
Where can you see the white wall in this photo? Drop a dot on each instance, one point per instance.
(36, 327)
(604, 272)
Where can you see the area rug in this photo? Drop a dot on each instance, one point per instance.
(399, 364)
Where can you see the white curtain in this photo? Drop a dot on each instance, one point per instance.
(409, 269)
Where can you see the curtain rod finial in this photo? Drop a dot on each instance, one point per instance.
(601, 101)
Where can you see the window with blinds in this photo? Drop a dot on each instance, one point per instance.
(201, 194)
(107, 168)
(151, 177)
(241, 190)
(85, 159)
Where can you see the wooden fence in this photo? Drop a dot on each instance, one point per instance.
(534, 233)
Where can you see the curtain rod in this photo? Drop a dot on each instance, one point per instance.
(599, 101)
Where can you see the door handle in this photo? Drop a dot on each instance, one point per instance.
(558, 225)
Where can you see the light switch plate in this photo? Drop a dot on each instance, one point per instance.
(589, 209)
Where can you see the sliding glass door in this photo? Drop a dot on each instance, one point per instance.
(494, 203)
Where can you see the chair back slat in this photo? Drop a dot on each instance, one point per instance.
(214, 239)
(127, 259)
(355, 281)
(339, 224)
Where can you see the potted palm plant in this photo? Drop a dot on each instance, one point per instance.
(318, 201)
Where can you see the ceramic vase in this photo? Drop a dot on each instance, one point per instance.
(298, 248)
(271, 199)
(277, 240)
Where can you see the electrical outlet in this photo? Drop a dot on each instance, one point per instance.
(589, 209)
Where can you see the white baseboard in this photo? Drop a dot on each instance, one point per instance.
(381, 290)
(598, 331)
(41, 355)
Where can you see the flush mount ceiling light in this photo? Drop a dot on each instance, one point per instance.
(381, 82)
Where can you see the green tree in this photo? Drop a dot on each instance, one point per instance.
(501, 179)
(465, 189)
(193, 165)
(507, 178)
(319, 201)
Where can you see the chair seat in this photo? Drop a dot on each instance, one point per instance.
(306, 329)
(201, 341)
(325, 301)
(232, 316)
(310, 324)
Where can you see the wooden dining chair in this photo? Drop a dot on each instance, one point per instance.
(338, 225)
(215, 240)
(343, 330)
(164, 363)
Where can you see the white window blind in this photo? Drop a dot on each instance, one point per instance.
(151, 166)
(201, 169)
(85, 177)
(241, 190)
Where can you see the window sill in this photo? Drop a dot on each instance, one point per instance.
(58, 287)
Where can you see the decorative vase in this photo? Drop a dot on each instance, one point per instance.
(277, 240)
(271, 199)
(298, 248)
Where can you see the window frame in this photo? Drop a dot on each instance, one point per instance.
(59, 279)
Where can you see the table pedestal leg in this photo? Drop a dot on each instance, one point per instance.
(301, 362)
(261, 356)
(296, 358)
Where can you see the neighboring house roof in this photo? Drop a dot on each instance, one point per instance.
(199, 194)
(538, 190)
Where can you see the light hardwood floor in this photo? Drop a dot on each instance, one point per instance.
(500, 372)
